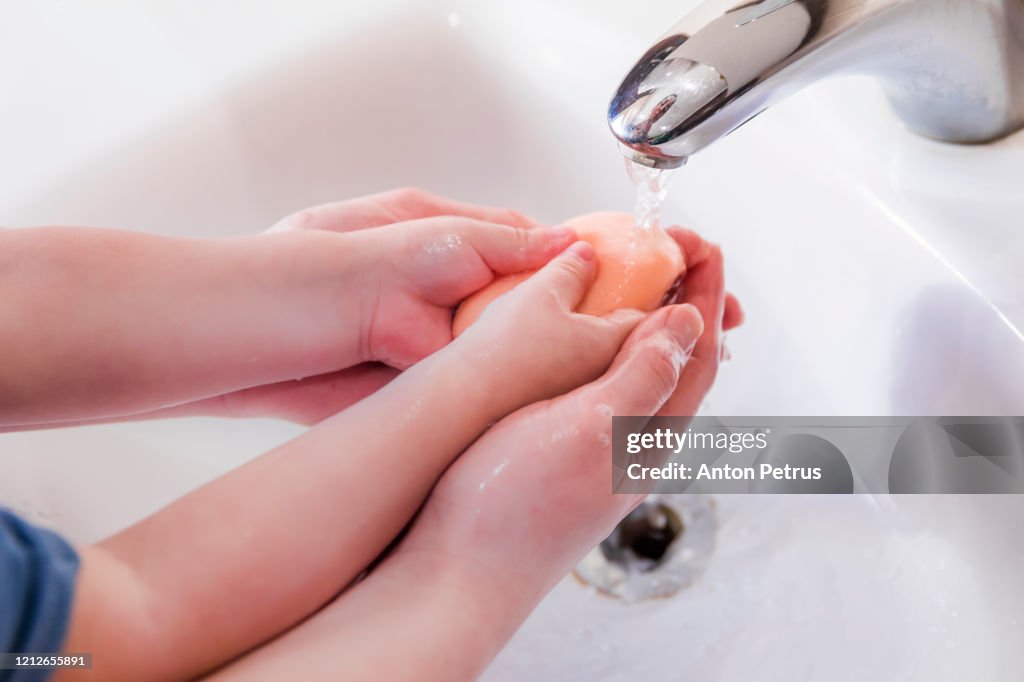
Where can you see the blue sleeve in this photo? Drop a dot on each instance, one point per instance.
(37, 575)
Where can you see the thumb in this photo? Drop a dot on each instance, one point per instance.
(508, 250)
(567, 277)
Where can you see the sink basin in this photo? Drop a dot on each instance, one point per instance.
(880, 273)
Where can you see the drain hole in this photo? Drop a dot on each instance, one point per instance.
(660, 548)
(644, 537)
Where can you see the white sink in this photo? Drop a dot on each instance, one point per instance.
(879, 272)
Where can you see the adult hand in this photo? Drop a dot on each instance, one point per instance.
(431, 253)
(297, 324)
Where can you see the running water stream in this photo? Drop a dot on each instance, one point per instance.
(651, 185)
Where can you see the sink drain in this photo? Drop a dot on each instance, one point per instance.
(659, 549)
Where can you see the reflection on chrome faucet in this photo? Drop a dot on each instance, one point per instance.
(952, 69)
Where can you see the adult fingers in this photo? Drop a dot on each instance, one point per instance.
(733, 315)
(705, 290)
(647, 369)
(694, 247)
(504, 249)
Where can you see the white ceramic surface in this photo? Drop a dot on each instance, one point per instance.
(880, 273)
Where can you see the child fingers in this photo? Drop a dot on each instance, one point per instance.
(647, 370)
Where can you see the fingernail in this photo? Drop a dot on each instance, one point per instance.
(558, 235)
(521, 218)
(582, 250)
(703, 252)
(624, 315)
(686, 325)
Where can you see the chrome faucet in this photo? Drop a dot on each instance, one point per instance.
(952, 69)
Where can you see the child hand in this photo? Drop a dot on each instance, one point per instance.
(506, 521)
(337, 495)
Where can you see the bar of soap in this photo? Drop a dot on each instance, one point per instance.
(635, 267)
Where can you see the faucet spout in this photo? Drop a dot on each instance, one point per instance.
(952, 69)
